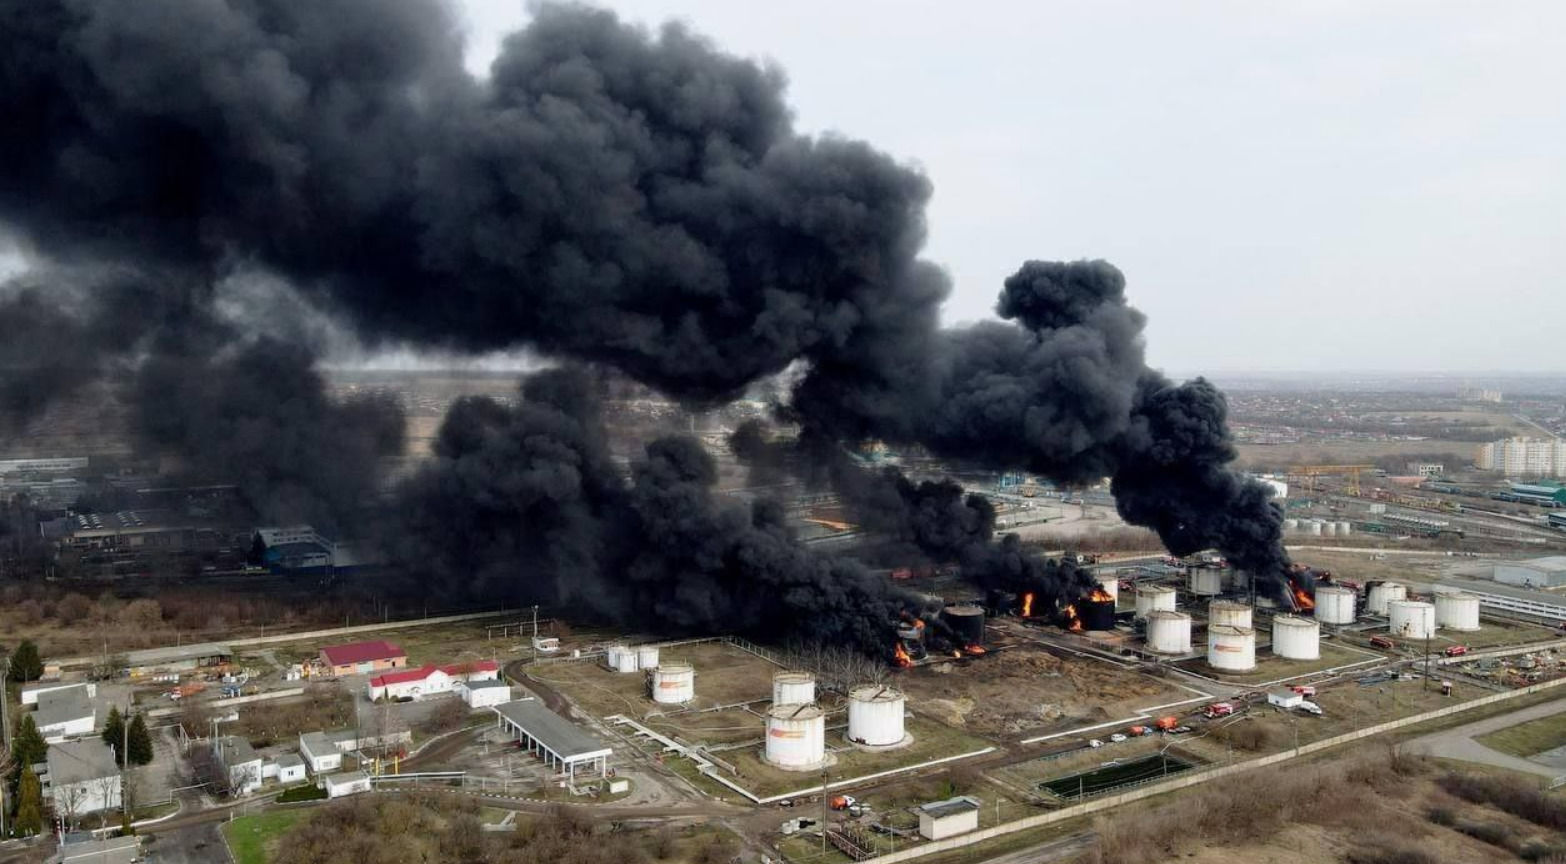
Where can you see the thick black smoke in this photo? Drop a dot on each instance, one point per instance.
(631, 199)
(524, 503)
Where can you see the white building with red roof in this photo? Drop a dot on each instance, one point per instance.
(429, 680)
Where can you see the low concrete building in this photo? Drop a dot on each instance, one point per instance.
(182, 658)
(1284, 698)
(116, 850)
(1535, 573)
(241, 765)
(65, 713)
(483, 694)
(347, 783)
(320, 754)
(290, 768)
(82, 778)
(942, 819)
(31, 692)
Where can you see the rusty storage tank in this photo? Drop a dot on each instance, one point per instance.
(674, 683)
(966, 623)
(793, 688)
(1227, 613)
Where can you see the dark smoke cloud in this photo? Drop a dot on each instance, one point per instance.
(525, 503)
(635, 200)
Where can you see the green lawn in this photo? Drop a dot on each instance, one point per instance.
(1526, 739)
(250, 836)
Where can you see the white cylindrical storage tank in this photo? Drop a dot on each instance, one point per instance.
(1154, 598)
(1227, 613)
(647, 657)
(1205, 582)
(1312, 527)
(1457, 611)
(1411, 619)
(793, 688)
(1232, 649)
(796, 737)
(1329, 529)
(1111, 586)
(1345, 529)
(674, 684)
(1383, 593)
(1335, 604)
(875, 715)
(613, 655)
(1168, 632)
(1291, 525)
(625, 660)
(1296, 638)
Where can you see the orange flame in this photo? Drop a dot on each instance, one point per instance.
(1027, 605)
(1301, 599)
(1074, 623)
(1099, 595)
(975, 650)
(903, 659)
(918, 623)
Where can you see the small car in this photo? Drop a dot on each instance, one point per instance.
(1117, 737)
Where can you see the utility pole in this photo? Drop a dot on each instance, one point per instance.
(5, 720)
(824, 804)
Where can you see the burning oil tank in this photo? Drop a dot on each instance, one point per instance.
(1231, 649)
(1168, 632)
(1335, 604)
(1227, 613)
(1096, 614)
(1206, 582)
(966, 623)
(1154, 598)
(1382, 594)
(796, 737)
(875, 715)
(647, 657)
(911, 634)
(1457, 611)
(1295, 638)
(674, 684)
(1411, 619)
(793, 688)
(1109, 583)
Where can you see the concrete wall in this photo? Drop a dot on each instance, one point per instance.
(1195, 778)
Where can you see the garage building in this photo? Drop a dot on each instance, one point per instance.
(564, 746)
(942, 819)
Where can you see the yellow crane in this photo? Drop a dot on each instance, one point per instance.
(1311, 472)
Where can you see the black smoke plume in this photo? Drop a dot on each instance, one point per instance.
(635, 200)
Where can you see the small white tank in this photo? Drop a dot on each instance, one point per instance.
(625, 660)
(1168, 632)
(1154, 598)
(1329, 529)
(1335, 604)
(674, 684)
(1411, 619)
(1383, 593)
(1458, 611)
(875, 715)
(796, 737)
(647, 657)
(1227, 613)
(1206, 582)
(1311, 528)
(1345, 529)
(1231, 649)
(1295, 638)
(613, 656)
(1291, 525)
(793, 688)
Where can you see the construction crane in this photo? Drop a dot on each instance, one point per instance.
(1311, 472)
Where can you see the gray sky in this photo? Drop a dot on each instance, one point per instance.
(1311, 186)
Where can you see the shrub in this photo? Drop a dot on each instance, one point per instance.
(1511, 795)
(301, 793)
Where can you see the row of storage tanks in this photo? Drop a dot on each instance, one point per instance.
(669, 683)
(1318, 527)
(796, 725)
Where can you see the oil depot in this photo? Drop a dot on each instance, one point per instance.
(1382, 595)
(875, 716)
(1411, 619)
(796, 737)
(793, 688)
(1296, 638)
(966, 621)
(673, 683)
(620, 658)
(1228, 613)
(647, 657)
(1457, 611)
(1231, 649)
(1205, 582)
(1154, 598)
(1335, 604)
(1168, 632)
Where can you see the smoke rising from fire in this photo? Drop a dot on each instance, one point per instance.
(630, 199)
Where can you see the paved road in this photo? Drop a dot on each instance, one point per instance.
(1459, 743)
(1055, 850)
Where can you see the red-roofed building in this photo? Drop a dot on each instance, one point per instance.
(363, 658)
(430, 680)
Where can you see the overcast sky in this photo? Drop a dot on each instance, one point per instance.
(1307, 186)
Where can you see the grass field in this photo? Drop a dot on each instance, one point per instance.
(1526, 739)
(252, 838)
(725, 675)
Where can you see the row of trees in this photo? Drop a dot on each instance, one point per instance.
(28, 748)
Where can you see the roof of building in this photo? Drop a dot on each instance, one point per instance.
(564, 738)
(62, 706)
(346, 777)
(236, 750)
(406, 676)
(193, 651)
(316, 744)
(361, 652)
(950, 807)
(80, 761)
(485, 684)
(471, 667)
(1552, 562)
(289, 760)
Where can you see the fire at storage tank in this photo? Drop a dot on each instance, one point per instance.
(966, 623)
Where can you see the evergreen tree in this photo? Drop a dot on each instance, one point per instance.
(26, 665)
(140, 746)
(29, 804)
(114, 734)
(28, 745)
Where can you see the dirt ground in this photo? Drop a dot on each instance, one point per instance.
(725, 676)
(1024, 689)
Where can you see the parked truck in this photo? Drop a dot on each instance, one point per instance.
(1219, 709)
